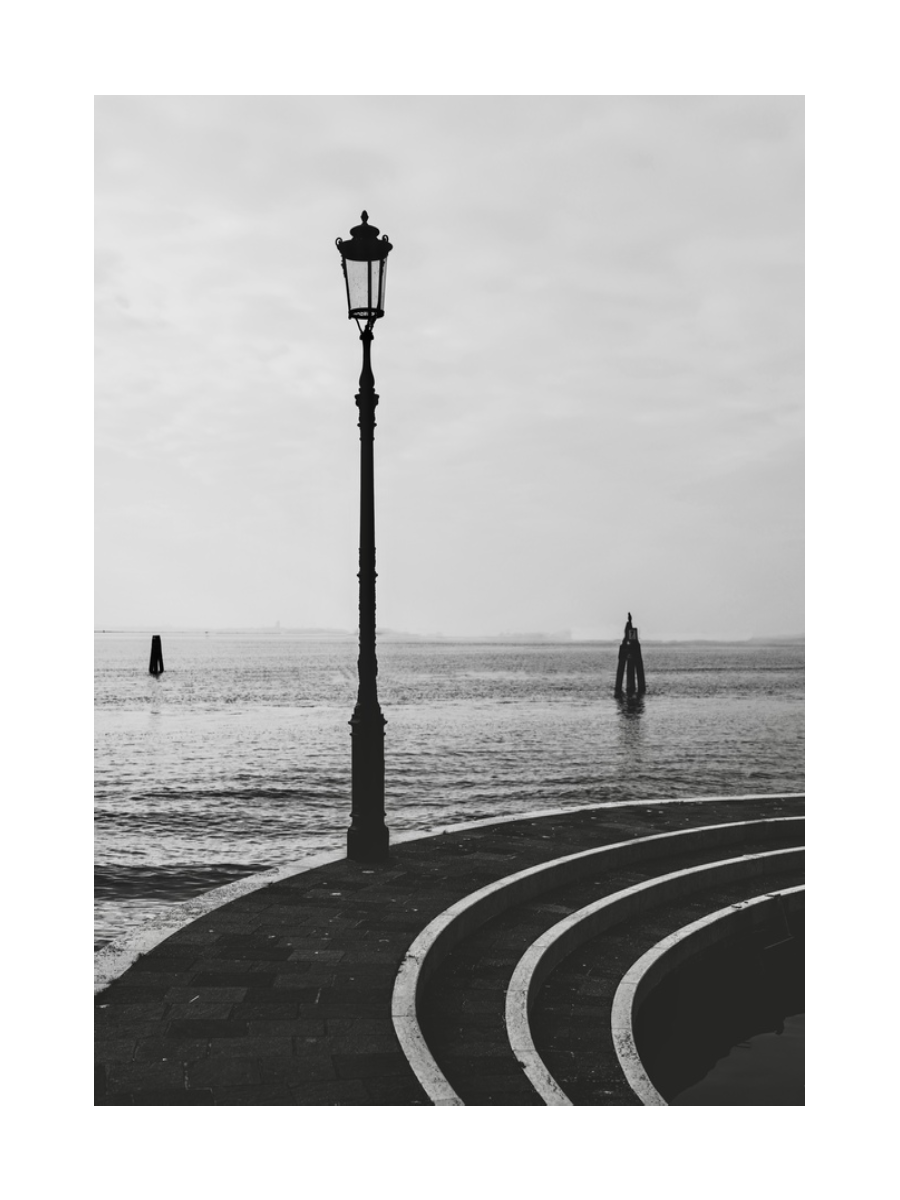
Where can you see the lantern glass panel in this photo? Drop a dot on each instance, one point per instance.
(381, 267)
(359, 294)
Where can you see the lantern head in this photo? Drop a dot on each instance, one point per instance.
(364, 261)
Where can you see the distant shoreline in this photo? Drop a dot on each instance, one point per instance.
(388, 635)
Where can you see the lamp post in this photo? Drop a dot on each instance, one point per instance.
(364, 262)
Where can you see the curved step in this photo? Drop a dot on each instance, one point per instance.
(450, 927)
(565, 936)
(664, 957)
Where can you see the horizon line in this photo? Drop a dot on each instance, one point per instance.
(557, 636)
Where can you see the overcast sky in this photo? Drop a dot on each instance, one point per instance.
(590, 368)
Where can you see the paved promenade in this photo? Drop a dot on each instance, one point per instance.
(283, 996)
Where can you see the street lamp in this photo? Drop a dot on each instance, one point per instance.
(364, 262)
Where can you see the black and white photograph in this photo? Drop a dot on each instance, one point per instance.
(449, 600)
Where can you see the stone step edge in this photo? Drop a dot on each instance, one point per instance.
(558, 942)
(114, 959)
(670, 952)
(455, 923)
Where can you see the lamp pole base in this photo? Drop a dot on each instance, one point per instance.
(368, 845)
(367, 837)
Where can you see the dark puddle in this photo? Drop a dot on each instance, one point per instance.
(727, 1028)
(766, 1069)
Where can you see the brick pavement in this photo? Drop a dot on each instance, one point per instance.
(283, 996)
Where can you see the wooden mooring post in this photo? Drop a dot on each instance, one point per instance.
(631, 664)
(156, 662)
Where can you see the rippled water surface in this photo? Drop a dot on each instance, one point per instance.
(238, 757)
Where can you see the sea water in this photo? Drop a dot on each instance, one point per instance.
(237, 757)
